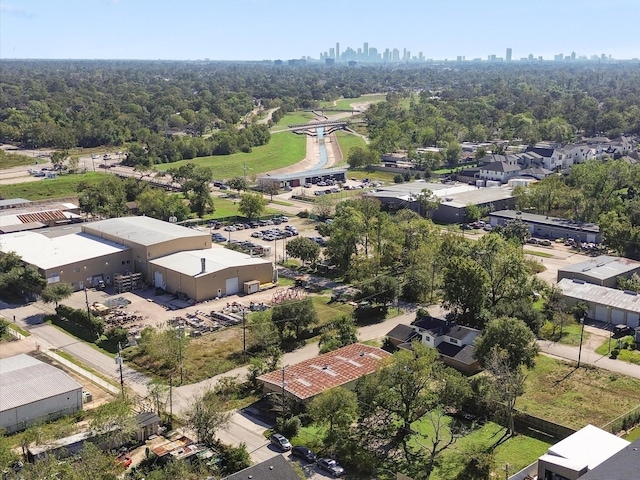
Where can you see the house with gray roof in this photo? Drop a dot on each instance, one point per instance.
(454, 342)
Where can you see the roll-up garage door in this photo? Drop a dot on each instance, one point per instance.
(601, 313)
(232, 286)
(617, 316)
(633, 319)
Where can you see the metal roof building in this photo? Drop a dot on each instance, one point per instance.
(549, 227)
(33, 390)
(78, 259)
(603, 270)
(453, 198)
(208, 273)
(605, 304)
(339, 368)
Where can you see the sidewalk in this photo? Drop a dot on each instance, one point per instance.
(567, 352)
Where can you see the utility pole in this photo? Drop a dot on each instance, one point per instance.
(171, 400)
(180, 330)
(244, 337)
(581, 335)
(119, 362)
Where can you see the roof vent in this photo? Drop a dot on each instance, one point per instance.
(631, 292)
(203, 261)
(580, 282)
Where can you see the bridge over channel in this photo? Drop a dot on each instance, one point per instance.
(311, 129)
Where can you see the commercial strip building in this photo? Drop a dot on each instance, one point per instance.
(32, 391)
(603, 270)
(549, 227)
(452, 199)
(298, 179)
(607, 305)
(340, 368)
(177, 259)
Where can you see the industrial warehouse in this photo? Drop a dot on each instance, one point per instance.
(129, 251)
(33, 391)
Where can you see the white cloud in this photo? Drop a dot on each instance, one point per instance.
(15, 11)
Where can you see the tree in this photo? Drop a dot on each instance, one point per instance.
(303, 248)
(238, 183)
(383, 290)
(17, 278)
(338, 334)
(427, 202)
(115, 421)
(195, 181)
(511, 337)
(206, 415)
(290, 318)
(506, 385)
(361, 157)
(251, 205)
(465, 286)
(337, 408)
(54, 292)
(106, 198)
(324, 207)
(271, 188)
(514, 230)
(472, 213)
(156, 203)
(58, 158)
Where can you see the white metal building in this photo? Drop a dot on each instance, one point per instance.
(603, 270)
(33, 391)
(607, 305)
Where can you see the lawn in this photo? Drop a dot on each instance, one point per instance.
(375, 176)
(518, 451)
(225, 208)
(61, 187)
(558, 392)
(348, 141)
(631, 356)
(447, 171)
(346, 103)
(282, 150)
(328, 312)
(570, 333)
(633, 435)
(539, 254)
(9, 160)
(293, 118)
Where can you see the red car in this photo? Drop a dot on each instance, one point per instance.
(124, 461)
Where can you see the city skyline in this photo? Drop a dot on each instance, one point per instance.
(264, 29)
(367, 54)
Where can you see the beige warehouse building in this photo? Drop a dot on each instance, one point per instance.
(209, 273)
(177, 259)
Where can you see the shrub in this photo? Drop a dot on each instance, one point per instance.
(289, 427)
(303, 214)
(398, 178)
(417, 176)
(406, 176)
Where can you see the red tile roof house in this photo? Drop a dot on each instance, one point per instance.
(339, 368)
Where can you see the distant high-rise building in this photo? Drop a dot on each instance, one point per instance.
(337, 51)
(573, 55)
(508, 54)
(365, 50)
(396, 55)
(386, 56)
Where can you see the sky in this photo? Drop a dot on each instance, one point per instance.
(284, 29)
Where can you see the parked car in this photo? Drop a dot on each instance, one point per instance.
(331, 466)
(281, 442)
(303, 453)
(307, 185)
(229, 228)
(256, 235)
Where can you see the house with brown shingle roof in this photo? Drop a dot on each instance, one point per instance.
(339, 368)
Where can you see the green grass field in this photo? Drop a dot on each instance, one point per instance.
(9, 160)
(558, 392)
(283, 150)
(63, 186)
(518, 451)
(225, 207)
(292, 118)
(346, 103)
(631, 356)
(347, 142)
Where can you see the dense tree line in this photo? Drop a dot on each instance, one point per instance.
(602, 192)
(93, 103)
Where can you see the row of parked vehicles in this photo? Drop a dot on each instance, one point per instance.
(305, 454)
(248, 225)
(272, 234)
